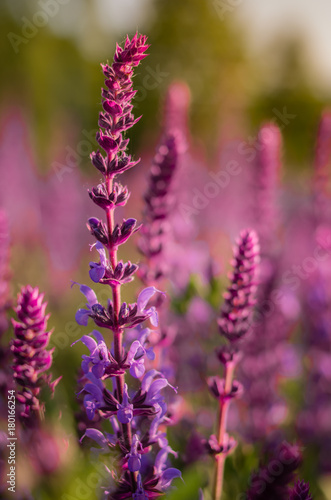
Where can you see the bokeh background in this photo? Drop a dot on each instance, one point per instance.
(245, 62)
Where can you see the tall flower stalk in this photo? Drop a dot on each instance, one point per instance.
(234, 323)
(139, 474)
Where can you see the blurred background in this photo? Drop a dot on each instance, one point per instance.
(244, 61)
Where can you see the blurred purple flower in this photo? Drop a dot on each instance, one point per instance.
(31, 359)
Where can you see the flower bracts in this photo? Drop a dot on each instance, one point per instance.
(234, 321)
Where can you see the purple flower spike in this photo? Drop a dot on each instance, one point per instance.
(236, 311)
(31, 359)
(146, 405)
(301, 491)
(234, 323)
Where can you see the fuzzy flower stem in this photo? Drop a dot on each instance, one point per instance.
(222, 424)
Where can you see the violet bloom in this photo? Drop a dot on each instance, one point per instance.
(113, 356)
(31, 358)
(234, 323)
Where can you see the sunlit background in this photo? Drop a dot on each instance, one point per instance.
(245, 62)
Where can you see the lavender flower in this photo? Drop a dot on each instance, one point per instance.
(129, 411)
(264, 181)
(31, 358)
(301, 491)
(159, 202)
(234, 323)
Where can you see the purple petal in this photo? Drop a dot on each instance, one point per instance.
(94, 390)
(95, 381)
(156, 387)
(134, 464)
(82, 316)
(125, 415)
(153, 316)
(137, 369)
(161, 458)
(96, 272)
(148, 379)
(98, 370)
(85, 364)
(133, 350)
(88, 341)
(168, 476)
(144, 297)
(110, 437)
(89, 294)
(90, 406)
(150, 353)
(97, 436)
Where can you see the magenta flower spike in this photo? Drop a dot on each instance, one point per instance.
(129, 412)
(31, 358)
(265, 178)
(234, 324)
